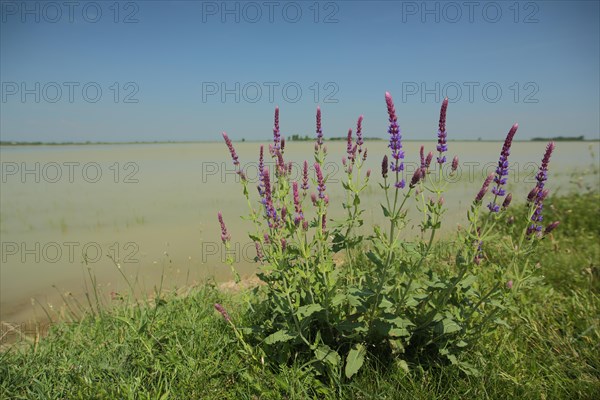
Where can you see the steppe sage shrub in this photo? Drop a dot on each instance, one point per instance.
(390, 300)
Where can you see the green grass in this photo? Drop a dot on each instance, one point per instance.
(178, 347)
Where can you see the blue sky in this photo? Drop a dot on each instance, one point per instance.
(187, 70)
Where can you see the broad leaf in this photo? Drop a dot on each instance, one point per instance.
(355, 360)
(308, 310)
(325, 353)
(279, 336)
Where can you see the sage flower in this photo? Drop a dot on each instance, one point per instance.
(225, 236)
(397, 164)
(384, 167)
(416, 177)
(540, 192)
(297, 205)
(319, 130)
(454, 163)
(442, 147)
(268, 200)
(502, 169)
(276, 133)
(223, 312)
(231, 149)
(428, 159)
(359, 138)
(320, 181)
(484, 188)
(305, 185)
(507, 201)
(551, 227)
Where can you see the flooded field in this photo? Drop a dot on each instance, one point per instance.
(152, 208)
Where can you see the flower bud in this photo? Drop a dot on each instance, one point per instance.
(384, 167)
(507, 200)
(454, 163)
(551, 227)
(428, 159)
(368, 172)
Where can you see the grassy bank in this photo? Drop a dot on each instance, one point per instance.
(179, 347)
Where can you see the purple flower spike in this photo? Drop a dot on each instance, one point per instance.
(305, 185)
(261, 167)
(267, 199)
(442, 146)
(320, 181)
(297, 206)
(540, 193)
(397, 165)
(502, 169)
(231, 149)
(319, 130)
(484, 188)
(276, 134)
(349, 146)
(359, 138)
(223, 312)
(225, 236)
(281, 167)
(261, 159)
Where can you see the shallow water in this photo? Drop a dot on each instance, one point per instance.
(153, 208)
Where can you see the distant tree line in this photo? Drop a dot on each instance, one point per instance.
(560, 139)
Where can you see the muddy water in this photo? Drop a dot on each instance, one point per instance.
(67, 210)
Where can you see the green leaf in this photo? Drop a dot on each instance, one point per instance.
(356, 200)
(308, 310)
(325, 353)
(375, 259)
(403, 365)
(355, 360)
(279, 336)
(386, 213)
(351, 326)
(448, 325)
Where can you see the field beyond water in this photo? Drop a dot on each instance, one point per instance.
(176, 346)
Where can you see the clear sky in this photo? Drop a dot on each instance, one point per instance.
(188, 70)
